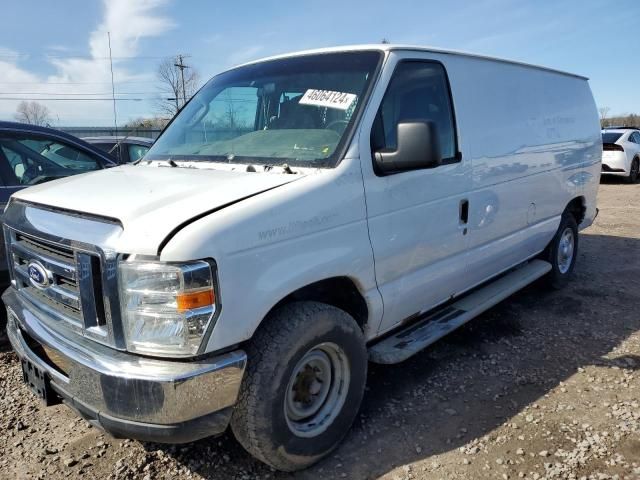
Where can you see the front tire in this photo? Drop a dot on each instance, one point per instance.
(305, 378)
(562, 252)
(634, 173)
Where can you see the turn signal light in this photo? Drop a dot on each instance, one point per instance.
(192, 300)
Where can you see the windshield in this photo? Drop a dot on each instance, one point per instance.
(610, 137)
(296, 110)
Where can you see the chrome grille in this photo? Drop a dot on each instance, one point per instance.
(73, 287)
(62, 293)
(76, 254)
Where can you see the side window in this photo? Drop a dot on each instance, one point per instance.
(631, 138)
(636, 137)
(110, 148)
(67, 152)
(417, 91)
(36, 160)
(136, 152)
(62, 155)
(107, 147)
(23, 165)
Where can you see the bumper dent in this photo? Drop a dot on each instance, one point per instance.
(128, 395)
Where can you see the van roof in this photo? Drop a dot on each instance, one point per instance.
(388, 47)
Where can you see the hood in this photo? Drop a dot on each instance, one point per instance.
(150, 202)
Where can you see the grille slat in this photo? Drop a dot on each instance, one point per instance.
(38, 246)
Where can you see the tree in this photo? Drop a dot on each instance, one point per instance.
(34, 113)
(153, 122)
(627, 120)
(604, 111)
(170, 77)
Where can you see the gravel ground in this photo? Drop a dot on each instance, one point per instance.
(545, 385)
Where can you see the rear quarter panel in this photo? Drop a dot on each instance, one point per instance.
(533, 136)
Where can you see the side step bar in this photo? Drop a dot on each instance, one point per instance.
(436, 324)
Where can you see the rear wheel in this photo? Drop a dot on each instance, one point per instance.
(562, 252)
(634, 174)
(305, 379)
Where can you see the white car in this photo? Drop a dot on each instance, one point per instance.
(621, 153)
(357, 204)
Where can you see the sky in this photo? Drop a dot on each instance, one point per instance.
(60, 49)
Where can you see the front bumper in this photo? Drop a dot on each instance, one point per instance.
(127, 395)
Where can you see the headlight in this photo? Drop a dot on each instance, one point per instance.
(166, 307)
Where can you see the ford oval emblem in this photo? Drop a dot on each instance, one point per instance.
(38, 275)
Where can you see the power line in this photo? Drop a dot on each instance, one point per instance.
(84, 94)
(79, 57)
(74, 83)
(39, 99)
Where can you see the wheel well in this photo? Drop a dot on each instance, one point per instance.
(340, 292)
(577, 208)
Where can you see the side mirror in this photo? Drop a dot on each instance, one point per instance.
(418, 147)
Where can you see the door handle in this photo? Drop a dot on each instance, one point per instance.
(464, 212)
(464, 215)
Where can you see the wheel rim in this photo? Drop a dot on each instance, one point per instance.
(317, 390)
(565, 250)
(635, 169)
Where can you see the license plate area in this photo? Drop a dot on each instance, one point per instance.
(38, 382)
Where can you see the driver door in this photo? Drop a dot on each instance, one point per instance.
(418, 218)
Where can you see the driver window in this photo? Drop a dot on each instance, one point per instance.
(417, 91)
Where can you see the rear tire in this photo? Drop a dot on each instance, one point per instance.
(634, 174)
(562, 252)
(305, 378)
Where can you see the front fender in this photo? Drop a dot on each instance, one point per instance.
(275, 243)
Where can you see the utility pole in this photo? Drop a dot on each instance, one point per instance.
(180, 64)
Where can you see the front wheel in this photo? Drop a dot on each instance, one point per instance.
(562, 252)
(305, 378)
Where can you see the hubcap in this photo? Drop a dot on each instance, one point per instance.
(565, 250)
(317, 390)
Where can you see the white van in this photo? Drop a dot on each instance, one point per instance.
(301, 216)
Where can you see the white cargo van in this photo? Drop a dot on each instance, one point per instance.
(301, 216)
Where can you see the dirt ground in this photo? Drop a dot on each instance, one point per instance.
(545, 385)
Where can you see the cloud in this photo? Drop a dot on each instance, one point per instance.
(14, 75)
(128, 22)
(245, 54)
(58, 48)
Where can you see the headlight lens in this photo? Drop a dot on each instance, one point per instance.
(166, 307)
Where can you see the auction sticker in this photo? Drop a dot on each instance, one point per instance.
(328, 98)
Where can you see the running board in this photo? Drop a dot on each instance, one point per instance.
(436, 324)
